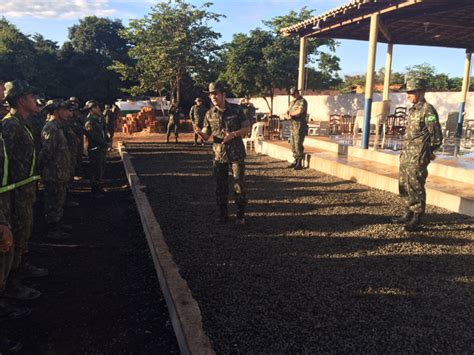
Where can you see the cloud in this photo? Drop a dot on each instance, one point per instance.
(55, 9)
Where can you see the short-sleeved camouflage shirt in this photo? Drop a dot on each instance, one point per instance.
(296, 105)
(217, 123)
(423, 134)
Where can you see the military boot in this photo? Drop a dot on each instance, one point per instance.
(241, 221)
(403, 218)
(299, 164)
(413, 223)
(167, 138)
(8, 345)
(27, 270)
(18, 291)
(176, 139)
(223, 216)
(292, 165)
(9, 312)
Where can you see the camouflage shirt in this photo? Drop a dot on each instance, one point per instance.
(95, 133)
(35, 123)
(217, 123)
(5, 197)
(173, 114)
(71, 138)
(197, 113)
(20, 148)
(423, 134)
(55, 158)
(299, 103)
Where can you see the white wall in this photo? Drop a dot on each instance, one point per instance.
(320, 107)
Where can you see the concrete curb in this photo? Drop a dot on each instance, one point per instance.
(182, 307)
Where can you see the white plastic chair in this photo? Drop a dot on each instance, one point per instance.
(379, 113)
(255, 135)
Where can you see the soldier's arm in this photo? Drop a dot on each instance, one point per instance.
(204, 133)
(11, 136)
(434, 127)
(47, 148)
(191, 114)
(5, 208)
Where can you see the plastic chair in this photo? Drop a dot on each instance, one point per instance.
(257, 133)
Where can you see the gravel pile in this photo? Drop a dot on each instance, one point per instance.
(319, 268)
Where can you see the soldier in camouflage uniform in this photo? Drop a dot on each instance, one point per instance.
(20, 148)
(97, 146)
(173, 122)
(55, 165)
(297, 112)
(423, 136)
(111, 114)
(77, 124)
(227, 124)
(196, 115)
(249, 109)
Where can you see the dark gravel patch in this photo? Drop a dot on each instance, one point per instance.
(102, 295)
(320, 268)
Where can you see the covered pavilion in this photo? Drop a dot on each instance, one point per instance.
(438, 23)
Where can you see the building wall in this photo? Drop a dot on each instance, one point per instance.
(320, 107)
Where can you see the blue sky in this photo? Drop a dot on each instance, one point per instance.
(51, 18)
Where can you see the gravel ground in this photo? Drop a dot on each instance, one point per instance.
(319, 268)
(102, 295)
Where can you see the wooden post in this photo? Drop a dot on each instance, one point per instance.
(388, 72)
(301, 76)
(465, 90)
(369, 84)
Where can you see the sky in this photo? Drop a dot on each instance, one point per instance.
(52, 18)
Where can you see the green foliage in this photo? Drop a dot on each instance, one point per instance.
(174, 39)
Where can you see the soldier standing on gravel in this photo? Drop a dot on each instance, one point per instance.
(297, 112)
(173, 122)
(19, 146)
(423, 136)
(55, 163)
(196, 115)
(97, 147)
(227, 124)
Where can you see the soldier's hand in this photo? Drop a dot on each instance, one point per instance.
(6, 238)
(432, 156)
(228, 137)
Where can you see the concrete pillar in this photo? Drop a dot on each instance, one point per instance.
(388, 72)
(301, 72)
(369, 84)
(465, 90)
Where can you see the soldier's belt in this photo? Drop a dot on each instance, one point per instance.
(18, 184)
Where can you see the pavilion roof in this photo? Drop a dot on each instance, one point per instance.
(440, 23)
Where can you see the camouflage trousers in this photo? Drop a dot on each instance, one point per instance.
(411, 185)
(22, 220)
(172, 126)
(6, 262)
(54, 199)
(97, 160)
(298, 131)
(221, 175)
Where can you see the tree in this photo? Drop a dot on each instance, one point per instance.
(259, 63)
(173, 40)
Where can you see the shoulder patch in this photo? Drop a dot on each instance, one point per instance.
(431, 118)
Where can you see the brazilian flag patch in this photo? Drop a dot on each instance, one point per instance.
(431, 118)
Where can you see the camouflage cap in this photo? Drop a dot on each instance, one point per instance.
(52, 105)
(40, 102)
(414, 84)
(17, 88)
(293, 90)
(90, 104)
(216, 86)
(73, 99)
(198, 99)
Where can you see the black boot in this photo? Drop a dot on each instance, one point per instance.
(167, 138)
(241, 221)
(403, 218)
(299, 165)
(223, 216)
(413, 223)
(176, 139)
(292, 165)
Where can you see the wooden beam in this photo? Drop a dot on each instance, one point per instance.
(389, 9)
(385, 31)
